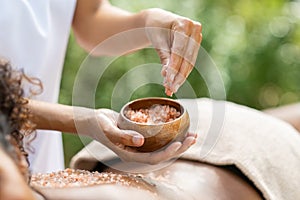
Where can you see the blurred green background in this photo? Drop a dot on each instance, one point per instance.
(255, 45)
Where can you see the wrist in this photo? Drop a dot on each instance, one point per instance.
(143, 17)
(85, 122)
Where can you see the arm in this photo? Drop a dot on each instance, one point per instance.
(78, 120)
(176, 39)
(101, 125)
(289, 113)
(50, 116)
(97, 20)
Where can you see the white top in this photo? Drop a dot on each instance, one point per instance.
(34, 36)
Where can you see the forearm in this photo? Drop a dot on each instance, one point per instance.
(288, 113)
(97, 20)
(49, 116)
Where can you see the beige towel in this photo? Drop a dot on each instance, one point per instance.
(265, 149)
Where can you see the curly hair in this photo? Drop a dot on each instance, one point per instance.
(13, 113)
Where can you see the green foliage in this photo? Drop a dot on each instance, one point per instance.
(254, 44)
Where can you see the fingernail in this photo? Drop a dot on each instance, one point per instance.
(137, 140)
(168, 92)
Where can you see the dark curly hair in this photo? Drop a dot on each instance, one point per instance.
(15, 118)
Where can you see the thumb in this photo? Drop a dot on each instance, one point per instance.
(131, 138)
(164, 59)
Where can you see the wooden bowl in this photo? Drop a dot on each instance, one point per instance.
(159, 135)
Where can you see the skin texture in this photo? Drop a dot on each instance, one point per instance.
(182, 179)
(193, 180)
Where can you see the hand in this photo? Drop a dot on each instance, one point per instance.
(174, 150)
(177, 41)
(121, 141)
(107, 120)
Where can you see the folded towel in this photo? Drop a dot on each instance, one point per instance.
(265, 149)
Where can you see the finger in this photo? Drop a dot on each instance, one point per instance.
(128, 138)
(190, 56)
(164, 155)
(110, 129)
(168, 92)
(171, 72)
(152, 158)
(181, 76)
(161, 44)
(124, 137)
(187, 143)
(192, 134)
(164, 56)
(172, 151)
(193, 45)
(164, 71)
(181, 33)
(173, 68)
